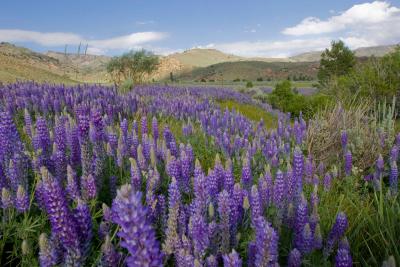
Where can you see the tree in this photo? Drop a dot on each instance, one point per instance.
(132, 65)
(336, 61)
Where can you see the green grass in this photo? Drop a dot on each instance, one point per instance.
(252, 112)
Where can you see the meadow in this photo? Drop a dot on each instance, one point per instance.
(191, 176)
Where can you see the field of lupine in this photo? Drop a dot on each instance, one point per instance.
(164, 176)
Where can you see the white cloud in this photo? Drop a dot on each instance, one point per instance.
(99, 46)
(145, 22)
(272, 48)
(357, 17)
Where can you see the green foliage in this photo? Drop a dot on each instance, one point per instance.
(252, 112)
(126, 86)
(133, 65)
(259, 79)
(249, 84)
(335, 62)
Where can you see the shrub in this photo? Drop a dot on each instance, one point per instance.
(249, 84)
(363, 129)
(126, 86)
(259, 79)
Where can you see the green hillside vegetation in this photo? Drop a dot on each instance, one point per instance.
(253, 70)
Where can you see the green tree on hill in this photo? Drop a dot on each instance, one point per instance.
(335, 62)
(135, 66)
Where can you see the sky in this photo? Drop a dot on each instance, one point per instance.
(259, 28)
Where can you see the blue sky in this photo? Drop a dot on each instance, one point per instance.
(247, 28)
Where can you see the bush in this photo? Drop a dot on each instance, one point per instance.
(126, 86)
(236, 80)
(249, 84)
(363, 130)
(259, 79)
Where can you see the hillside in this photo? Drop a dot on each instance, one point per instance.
(251, 70)
(18, 63)
(377, 51)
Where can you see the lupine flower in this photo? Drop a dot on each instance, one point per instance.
(337, 231)
(327, 182)
(72, 187)
(62, 222)
(393, 178)
(301, 220)
(6, 201)
(109, 257)
(88, 186)
(229, 180)
(394, 153)
(224, 211)
(307, 243)
(279, 189)
(247, 178)
(47, 253)
(343, 258)
(232, 259)
(22, 199)
(137, 234)
(266, 244)
(136, 177)
(83, 224)
(294, 259)
(172, 238)
(199, 233)
(348, 162)
(298, 168)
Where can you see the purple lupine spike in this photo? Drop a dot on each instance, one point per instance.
(251, 254)
(136, 232)
(247, 179)
(327, 181)
(237, 201)
(212, 184)
(294, 259)
(198, 230)
(344, 139)
(104, 229)
(72, 187)
(110, 256)
(143, 124)
(211, 261)
(279, 189)
(84, 225)
(60, 135)
(136, 177)
(348, 162)
(62, 222)
(300, 220)
(47, 253)
(343, 258)
(22, 199)
(224, 211)
(44, 142)
(266, 244)
(154, 125)
(337, 232)
(172, 238)
(185, 171)
(28, 123)
(88, 187)
(6, 200)
(317, 237)
(393, 178)
(307, 240)
(298, 168)
(229, 180)
(255, 205)
(394, 153)
(219, 172)
(309, 169)
(75, 157)
(232, 259)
